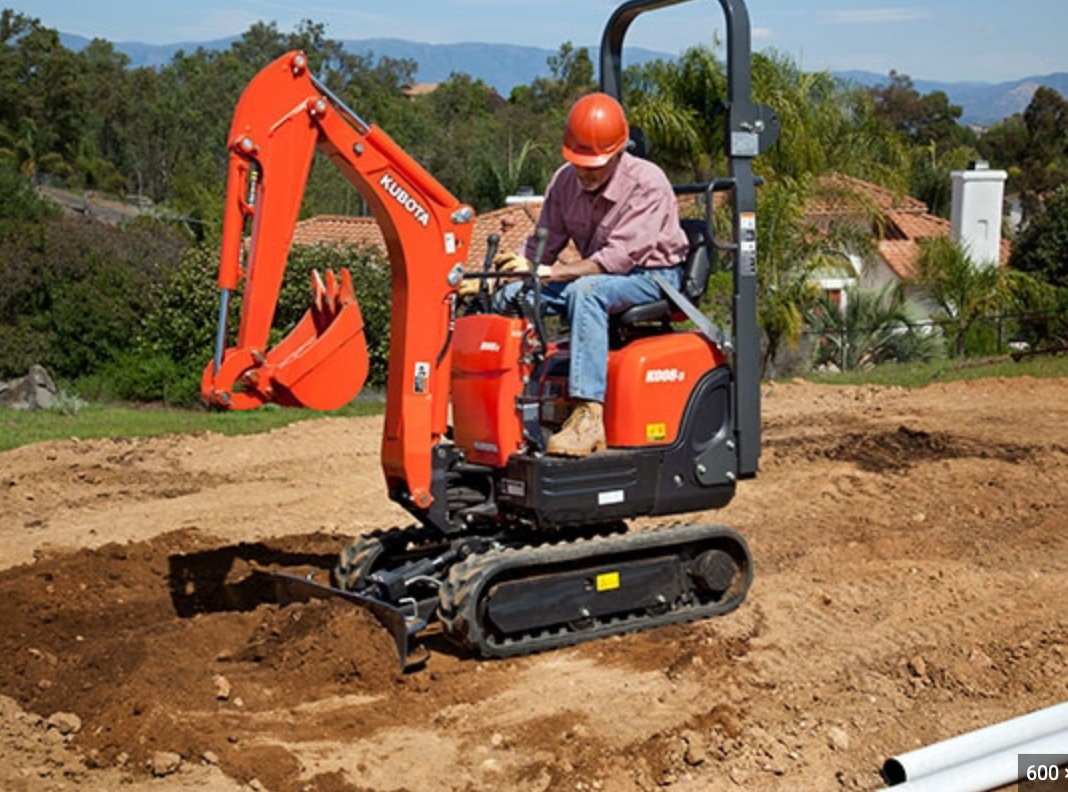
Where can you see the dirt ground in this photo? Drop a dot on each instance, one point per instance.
(911, 553)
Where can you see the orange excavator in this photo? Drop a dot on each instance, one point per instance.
(511, 550)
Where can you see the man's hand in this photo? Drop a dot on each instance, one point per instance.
(510, 262)
(469, 287)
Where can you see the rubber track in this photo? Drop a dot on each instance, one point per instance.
(462, 596)
(357, 560)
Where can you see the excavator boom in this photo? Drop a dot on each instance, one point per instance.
(283, 116)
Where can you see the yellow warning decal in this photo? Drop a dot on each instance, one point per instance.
(608, 581)
(656, 433)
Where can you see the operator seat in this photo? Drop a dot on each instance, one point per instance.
(658, 316)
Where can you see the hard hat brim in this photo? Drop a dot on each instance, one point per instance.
(585, 159)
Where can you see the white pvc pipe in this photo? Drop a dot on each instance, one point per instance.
(980, 743)
(986, 772)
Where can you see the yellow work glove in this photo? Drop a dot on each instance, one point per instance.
(469, 287)
(510, 262)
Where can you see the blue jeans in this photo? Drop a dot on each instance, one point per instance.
(587, 302)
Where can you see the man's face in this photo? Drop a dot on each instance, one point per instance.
(593, 179)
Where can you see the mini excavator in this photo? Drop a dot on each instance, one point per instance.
(511, 550)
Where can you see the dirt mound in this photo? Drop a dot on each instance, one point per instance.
(901, 449)
(911, 558)
(115, 635)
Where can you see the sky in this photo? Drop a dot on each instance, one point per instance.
(945, 40)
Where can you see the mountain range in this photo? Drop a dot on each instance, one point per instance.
(504, 66)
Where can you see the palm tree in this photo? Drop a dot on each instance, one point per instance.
(824, 129)
(873, 327)
(675, 104)
(964, 292)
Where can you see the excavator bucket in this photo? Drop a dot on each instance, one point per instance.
(322, 363)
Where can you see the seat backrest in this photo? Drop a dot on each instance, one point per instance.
(637, 143)
(696, 269)
(698, 264)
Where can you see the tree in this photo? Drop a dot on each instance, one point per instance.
(1033, 147)
(677, 105)
(571, 75)
(41, 103)
(925, 119)
(1041, 248)
(964, 293)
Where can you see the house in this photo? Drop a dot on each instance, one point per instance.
(898, 224)
(412, 90)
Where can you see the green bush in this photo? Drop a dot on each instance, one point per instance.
(139, 376)
(76, 293)
(181, 326)
(371, 281)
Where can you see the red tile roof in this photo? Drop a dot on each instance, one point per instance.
(513, 224)
(839, 196)
(904, 219)
(338, 230)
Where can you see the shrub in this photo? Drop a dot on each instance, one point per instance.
(76, 293)
(181, 325)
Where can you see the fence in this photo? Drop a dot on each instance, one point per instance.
(1018, 334)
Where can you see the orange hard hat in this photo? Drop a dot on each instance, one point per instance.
(596, 129)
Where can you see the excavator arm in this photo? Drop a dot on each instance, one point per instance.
(283, 116)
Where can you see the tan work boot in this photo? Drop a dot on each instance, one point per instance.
(582, 432)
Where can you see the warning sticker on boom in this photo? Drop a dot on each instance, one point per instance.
(422, 377)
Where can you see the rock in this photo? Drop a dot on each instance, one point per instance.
(696, 751)
(65, 723)
(837, 739)
(917, 667)
(164, 763)
(222, 687)
(35, 391)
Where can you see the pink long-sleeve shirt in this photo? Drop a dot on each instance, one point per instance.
(633, 221)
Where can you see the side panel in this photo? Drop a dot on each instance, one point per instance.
(650, 382)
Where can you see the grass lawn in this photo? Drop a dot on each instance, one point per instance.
(21, 427)
(918, 375)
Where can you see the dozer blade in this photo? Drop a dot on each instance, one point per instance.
(322, 364)
(292, 588)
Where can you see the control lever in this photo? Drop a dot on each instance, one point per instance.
(493, 242)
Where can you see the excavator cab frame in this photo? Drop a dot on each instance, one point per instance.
(750, 129)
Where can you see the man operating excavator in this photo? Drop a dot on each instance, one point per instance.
(621, 213)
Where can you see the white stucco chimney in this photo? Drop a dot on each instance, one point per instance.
(975, 216)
